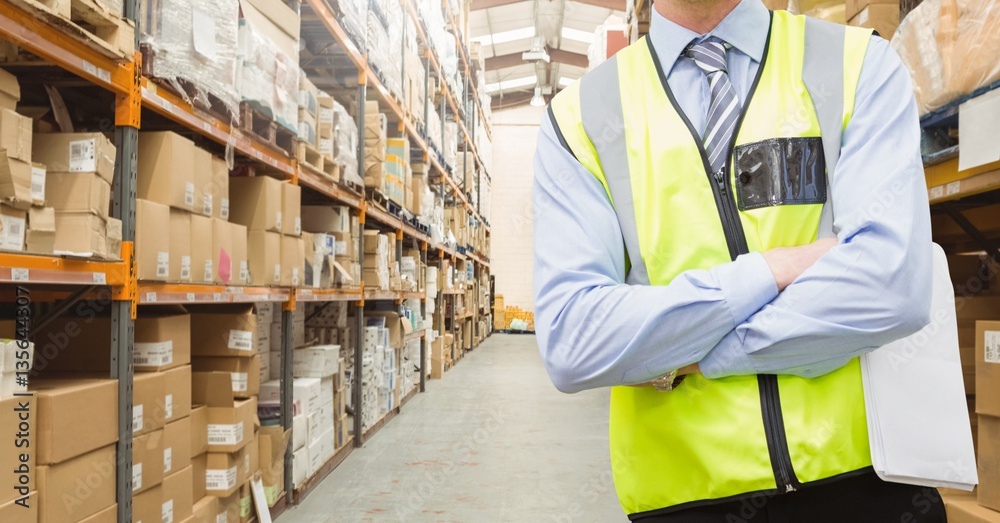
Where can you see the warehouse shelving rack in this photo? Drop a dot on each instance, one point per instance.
(70, 279)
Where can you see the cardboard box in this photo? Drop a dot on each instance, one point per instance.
(180, 246)
(222, 251)
(113, 232)
(15, 183)
(76, 153)
(241, 264)
(326, 218)
(206, 510)
(305, 392)
(82, 234)
(273, 442)
(12, 226)
(988, 368)
(176, 445)
(291, 209)
(199, 429)
(202, 174)
(883, 18)
(15, 135)
(148, 506)
(78, 193)
(65, 405)
(224, 472)
(162, 338)
(315, 362)
(962, 508)
(178, 499)
(10, 90)
(279, 14)
(149, 411)
(152, 241)
(293, 263)
(199, 464)
(988, 461)
(41, 235)
(202, 255)
(166, 170)
(223, 330)
(264, 253)
(230, 422)
(177, 398)
(229, 507)
(853, 7)
(256, 203)
(147, 461)
(77, 488)
(17, 466)
(300, 466)
(244, 370)
(220, 188)
(24, 512)
(108, 515)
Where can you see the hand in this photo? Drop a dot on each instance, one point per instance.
(788, 263)
(683, 371)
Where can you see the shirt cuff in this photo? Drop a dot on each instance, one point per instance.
(748, 285)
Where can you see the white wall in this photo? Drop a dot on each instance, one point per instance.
(514, 132)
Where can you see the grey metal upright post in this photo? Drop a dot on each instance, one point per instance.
(287, 389)
(359, 322)
(423, 315)
(127, 114)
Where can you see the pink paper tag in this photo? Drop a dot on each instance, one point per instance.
(225, 266)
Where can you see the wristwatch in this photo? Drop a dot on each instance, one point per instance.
(665, 383)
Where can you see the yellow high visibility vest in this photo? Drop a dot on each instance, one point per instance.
(719, 439)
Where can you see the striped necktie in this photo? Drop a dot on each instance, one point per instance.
(724, 109)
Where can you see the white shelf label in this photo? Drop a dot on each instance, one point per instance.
(19, 274)
(241, 340)
(218, 296)
(953, 188)
(100, 278)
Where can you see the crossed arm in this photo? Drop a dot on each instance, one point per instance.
(804, 310)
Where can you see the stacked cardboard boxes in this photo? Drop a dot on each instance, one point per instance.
(162, 474)
(375, 146)
(271, 212)
(331, 260)
(396, 185)
(987, 406)
(22, 184)
(79, 170)
(880, 15)
(182, 228)
(226, 381)
(75, 470)
(378, 259)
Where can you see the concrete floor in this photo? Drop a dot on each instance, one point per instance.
(493, 441)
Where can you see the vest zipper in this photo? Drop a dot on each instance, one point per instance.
(770, 400)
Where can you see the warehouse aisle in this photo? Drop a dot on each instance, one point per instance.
(492, 441)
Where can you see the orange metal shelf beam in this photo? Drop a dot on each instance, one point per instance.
(153, 292)
(37, 37)
(173, 107)
(35, 269)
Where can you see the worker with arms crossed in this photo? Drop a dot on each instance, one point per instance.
(678, 197)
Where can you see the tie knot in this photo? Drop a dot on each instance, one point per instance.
(709, 54)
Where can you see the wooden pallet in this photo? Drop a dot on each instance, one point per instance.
(310, 156)
(186, 89)
(88, 22)
(260, 125)
(332, 170)
(383, 202)
(352, 188)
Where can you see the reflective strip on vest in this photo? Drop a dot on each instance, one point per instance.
(706, 439)
(605, 126)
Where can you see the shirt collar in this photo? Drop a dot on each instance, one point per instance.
(745, 28)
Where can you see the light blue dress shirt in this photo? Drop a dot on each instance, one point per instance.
(874, 287)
